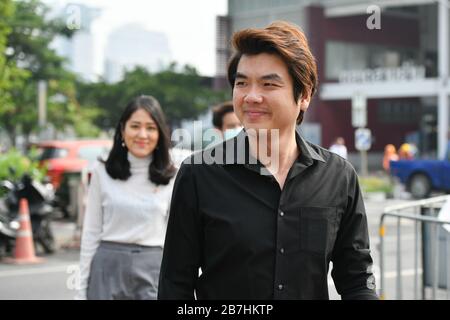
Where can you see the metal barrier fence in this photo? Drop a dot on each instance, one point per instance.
(422, 212)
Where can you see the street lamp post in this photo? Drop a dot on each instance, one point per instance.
(443, 77)
(42, 106)
(362, 134)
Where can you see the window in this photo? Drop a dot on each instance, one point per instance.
(398, 111)
(52, 153)
(341, 56)
(346, 56)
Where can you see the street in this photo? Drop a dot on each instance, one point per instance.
(46, 281)
(55, 279)
(50, 280)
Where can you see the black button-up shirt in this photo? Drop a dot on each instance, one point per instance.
(253, 240)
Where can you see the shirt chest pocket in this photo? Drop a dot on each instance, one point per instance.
(317, 229)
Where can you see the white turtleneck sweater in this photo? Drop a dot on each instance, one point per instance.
(131, 211)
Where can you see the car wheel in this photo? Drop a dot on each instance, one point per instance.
(420, 186)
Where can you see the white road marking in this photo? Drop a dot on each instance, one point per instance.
(22, 272)
(404, 273)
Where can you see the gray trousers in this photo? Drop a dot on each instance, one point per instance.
(122, 271)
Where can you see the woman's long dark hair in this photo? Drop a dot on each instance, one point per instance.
(161, 169)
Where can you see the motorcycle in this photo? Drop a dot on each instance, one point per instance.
(40, 198)
(8, 226)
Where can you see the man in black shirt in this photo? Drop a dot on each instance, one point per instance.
(263, 214)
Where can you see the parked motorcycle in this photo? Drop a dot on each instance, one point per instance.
(8, 226)
(40, 198)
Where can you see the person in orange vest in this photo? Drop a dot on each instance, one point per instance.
(390, 153)
(405, 152)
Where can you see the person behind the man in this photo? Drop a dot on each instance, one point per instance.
(225, 120)
(339, 147)
(267, 229)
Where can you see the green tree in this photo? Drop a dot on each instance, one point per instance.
(181, 93)
(11, 76)
(28, 47)
(104, 96)
(6, 11)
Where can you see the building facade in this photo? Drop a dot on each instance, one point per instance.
(393, 54)
(81, 49)
(132, 45)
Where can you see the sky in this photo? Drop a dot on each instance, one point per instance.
(190, 25)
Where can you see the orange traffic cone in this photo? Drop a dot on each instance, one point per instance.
(24, 250)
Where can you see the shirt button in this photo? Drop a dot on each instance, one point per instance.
(282, 250)
(281, 214)
(280, 287)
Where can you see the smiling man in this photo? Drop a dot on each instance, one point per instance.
(267, 227)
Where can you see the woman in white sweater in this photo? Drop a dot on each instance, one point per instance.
(128, 200)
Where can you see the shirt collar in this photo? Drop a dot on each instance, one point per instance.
(139, 163)
(306, 158)
(307, 152)
(240, 143)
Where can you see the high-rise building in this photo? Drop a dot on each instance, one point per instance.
(132, 45)
(81, 50)
(222, 45)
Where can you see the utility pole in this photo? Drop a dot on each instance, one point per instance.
(362, 134)
(42, 106)
(443, 53)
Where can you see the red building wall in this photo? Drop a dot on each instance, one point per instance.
(336, 121)
(395, 31)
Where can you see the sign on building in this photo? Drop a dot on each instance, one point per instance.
(406, 72)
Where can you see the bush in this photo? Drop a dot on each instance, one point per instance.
(376, 184)
(13, 165)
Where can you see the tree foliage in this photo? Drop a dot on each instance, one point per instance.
(11, 77)
(30, 58)
(26, 57)
(13, 165)
(181, 93)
